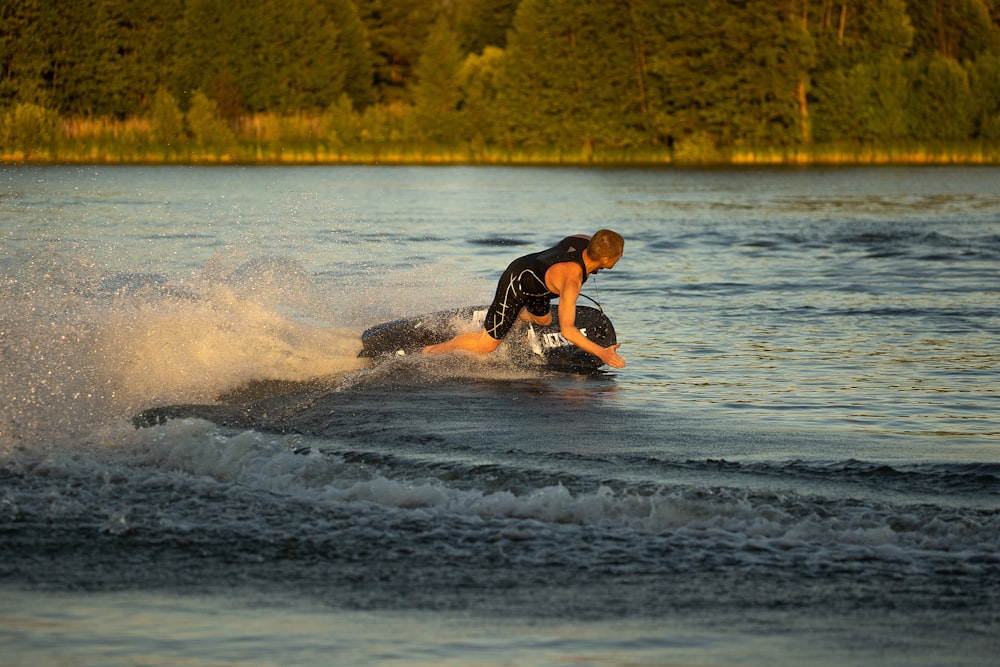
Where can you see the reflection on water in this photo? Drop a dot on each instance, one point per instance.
(123, 630)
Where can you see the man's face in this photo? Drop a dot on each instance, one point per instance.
(608, 263)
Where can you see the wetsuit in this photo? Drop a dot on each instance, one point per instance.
(523, 285)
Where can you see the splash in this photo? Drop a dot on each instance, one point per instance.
(81, 346)
(195, 349)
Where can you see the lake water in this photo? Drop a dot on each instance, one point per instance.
(800, 464)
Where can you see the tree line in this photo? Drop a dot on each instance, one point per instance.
(328, 80)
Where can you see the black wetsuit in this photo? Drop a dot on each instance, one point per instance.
(523, 285)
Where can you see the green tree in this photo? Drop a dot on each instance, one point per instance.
(397, 31)
(383, 124)
(23, 53)
(208, 130)
(572, 78)
(140, 38)
(77, 45)
(984, 81)
(300, 64)
(106, 57)
(861, 88)
(341, 123)
(483, 23)
(865, 103)
(436, 91)
(849, 32)
(29, 128)
(956, 29)
(941, 105)
(733, 70)
(479, 93)
(271, 54)
(353, 42)
(166, 120)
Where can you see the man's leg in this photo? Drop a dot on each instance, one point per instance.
(499, 319)
(479, 343)
(540, 320)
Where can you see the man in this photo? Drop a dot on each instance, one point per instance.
(531, 282)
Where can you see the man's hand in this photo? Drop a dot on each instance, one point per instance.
(610, 356)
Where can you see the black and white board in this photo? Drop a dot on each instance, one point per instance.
(531, 342)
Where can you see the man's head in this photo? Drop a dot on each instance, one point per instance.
(606, 247)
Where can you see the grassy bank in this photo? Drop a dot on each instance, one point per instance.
(408, 155)
(304, 139)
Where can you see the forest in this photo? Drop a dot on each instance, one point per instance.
(500, 81)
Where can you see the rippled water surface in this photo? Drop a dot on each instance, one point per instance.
(800, 464)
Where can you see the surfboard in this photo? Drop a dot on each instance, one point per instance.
(529, 343)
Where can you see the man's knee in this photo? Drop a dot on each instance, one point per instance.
(543, 320)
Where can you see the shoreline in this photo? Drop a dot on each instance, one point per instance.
(320, 156)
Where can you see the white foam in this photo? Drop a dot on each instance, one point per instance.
(77, 355)
(731, 517)
(193, 350)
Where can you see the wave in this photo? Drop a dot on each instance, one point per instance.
(915, 241)
(912, 239)
(969, 478)
(193, 477)
(499, 242)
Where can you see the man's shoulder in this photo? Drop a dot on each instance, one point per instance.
(567, 268)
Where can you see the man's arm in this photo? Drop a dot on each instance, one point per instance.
(568, 278)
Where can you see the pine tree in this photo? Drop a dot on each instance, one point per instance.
(341, 123)
(166, 120)
(941, 107)
(140, 39)
(984, 81)
(732, 71)
(955, 29)
(208, 130)
(479, 93)
(24, 58)
(352, 41)
(28, 128)
(397, 31)
(570, 76)
(483, 23)
(860, 89)
(273, 55)
(436, 92)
